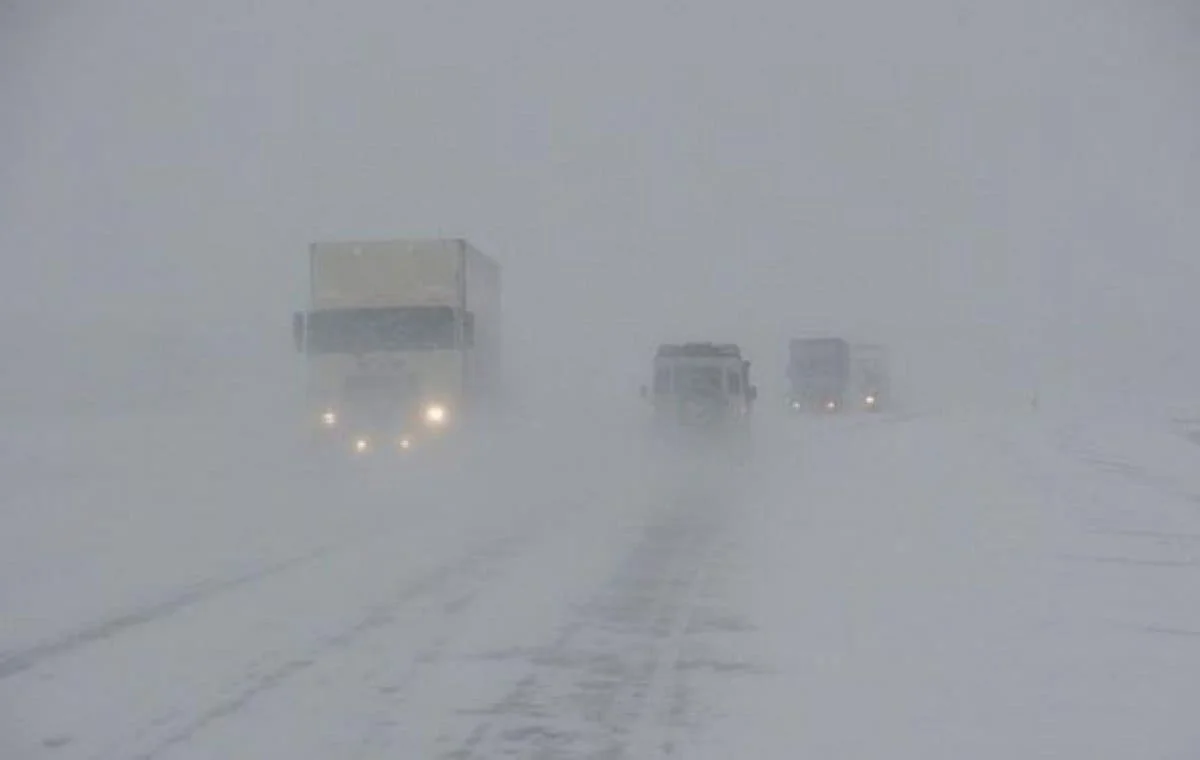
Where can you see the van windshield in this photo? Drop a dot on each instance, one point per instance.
(700, 381)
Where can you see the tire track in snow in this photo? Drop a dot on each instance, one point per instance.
(652, 733)
(22, 660)
(606, 686)
(396, 686)
(476, 567)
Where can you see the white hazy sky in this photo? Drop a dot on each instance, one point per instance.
(1005, 191)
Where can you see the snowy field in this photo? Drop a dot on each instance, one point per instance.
(944, 585)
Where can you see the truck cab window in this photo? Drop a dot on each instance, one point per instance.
(468, 334)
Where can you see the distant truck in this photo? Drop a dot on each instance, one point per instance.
(402, 340)
(701, 390)
(819, 374)
(871, 377)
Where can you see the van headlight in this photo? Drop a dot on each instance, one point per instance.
(870, 400)
(435, 414)
(329, 418)
(362, 445)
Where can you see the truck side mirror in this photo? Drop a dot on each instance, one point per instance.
(298, 331)
(469, 330)
(753, 392)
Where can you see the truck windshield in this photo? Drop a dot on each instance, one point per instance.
(873, 378)
(824, 360)
(356, 331)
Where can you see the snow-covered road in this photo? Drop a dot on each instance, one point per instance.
(940, 586)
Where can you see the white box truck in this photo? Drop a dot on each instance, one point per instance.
(402, 340)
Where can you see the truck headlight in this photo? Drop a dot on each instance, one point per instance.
(831, 405)
(329, 418)
(362, 445)
(870, 400)
(435, 414)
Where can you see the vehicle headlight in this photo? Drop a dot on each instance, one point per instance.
(870, 400)
(329, 418)
(362, 445)
(435, 414)
(831, 405)
(795, 404)
(405, 443)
